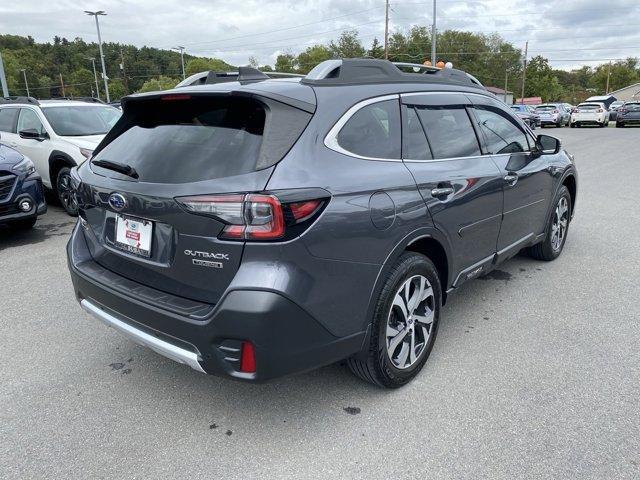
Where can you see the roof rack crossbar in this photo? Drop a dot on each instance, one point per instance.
(243, 74)
(355, 71)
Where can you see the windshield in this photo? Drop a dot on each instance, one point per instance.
(632, 107)
(77, 121)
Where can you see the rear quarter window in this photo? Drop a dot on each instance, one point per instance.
(373, 131)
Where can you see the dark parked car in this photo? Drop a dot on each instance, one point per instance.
(628, 114)
(254, 227)
(21, 194)
(613, 110)
(527, 114)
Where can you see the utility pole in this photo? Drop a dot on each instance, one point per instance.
(386, 31)
(104, 70)
(608, 77)
(26, 84)
(95, 76)
(62, 83)
(181, 49)
(433, 37)
(506, 82)
(124, 72)
(524, 71)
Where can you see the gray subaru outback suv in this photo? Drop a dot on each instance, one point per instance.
(255, 227)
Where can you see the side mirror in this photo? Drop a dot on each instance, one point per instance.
(547, 145)
(32, 133)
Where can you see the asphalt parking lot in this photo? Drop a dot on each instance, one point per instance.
(535, 373)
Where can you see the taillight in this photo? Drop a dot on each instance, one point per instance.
(253, 216)
(621, 110)
(303, 210)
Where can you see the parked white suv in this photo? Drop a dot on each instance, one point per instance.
(56, 135)
(590, 113)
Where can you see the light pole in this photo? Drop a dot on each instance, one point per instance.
(26, 84)
(433, 37)
(104, 70)
(95, 75)
(181, 49)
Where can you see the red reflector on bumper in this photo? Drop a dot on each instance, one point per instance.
(247, 358)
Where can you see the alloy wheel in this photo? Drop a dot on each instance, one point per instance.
(65, 193)
(410, 322)
(560, 223)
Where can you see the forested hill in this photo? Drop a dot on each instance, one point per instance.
(45, 62)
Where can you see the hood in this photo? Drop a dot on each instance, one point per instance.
(90, 141)
(9, 157)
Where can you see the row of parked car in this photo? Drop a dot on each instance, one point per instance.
(586, 113)
(40, 142)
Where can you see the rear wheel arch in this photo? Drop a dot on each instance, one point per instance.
(429, 242)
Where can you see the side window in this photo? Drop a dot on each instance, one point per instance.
(28, 120)
(414, 142)
(501, 133)
(8, 119)
(449, 131)
(373, 131)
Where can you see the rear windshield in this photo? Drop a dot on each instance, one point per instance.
(589, 106)
(632, 107)
(544, 108)
(180, 141)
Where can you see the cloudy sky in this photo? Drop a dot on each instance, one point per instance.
(568, 32)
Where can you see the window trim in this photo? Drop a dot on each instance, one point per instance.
(331, 139)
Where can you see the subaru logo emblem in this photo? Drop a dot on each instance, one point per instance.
(117, 201)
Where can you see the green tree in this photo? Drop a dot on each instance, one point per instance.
(541, 81)
(159, 83)
(376, 50)
(347, 46)
(311, 57)
(286, 62)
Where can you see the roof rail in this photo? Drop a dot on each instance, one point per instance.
(31, 100)
(244, 74)
(80, 99)
(355, 71)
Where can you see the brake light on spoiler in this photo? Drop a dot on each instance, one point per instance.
(254, 216)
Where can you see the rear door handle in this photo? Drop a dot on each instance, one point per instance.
(441, 192)
(511, 178)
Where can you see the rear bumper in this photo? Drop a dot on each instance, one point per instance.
(286, 338)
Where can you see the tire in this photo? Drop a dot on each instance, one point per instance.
(26, 224)
(572, 125)
(393, 331)
(551, 247)
(619, 125)
(64, 193)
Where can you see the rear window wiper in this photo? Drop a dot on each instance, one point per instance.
(125, 169)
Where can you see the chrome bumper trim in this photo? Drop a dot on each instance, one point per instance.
(165, 349)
